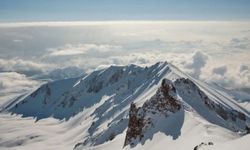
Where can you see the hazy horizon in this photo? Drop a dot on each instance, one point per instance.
(62, 10)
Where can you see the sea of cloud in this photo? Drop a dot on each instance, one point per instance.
(215, 52)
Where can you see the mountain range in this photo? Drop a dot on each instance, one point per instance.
(132, 107)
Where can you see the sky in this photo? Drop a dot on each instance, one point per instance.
(82, 10)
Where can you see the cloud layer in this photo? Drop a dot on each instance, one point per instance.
(13, 84)
(20, 81)
(22, 66)
(211, 51)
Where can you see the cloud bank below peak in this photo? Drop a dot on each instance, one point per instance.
(211, 51)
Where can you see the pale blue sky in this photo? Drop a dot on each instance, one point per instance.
(65, 10)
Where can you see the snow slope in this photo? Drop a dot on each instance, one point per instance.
(93, 112)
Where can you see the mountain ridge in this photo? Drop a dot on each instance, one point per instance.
(108, 94)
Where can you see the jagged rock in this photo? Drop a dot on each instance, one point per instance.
(135, 125)
(163, 102)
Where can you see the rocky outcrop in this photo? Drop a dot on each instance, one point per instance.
(164, 102)
(203, 144)
(135, 125)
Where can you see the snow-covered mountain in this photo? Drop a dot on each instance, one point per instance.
(135, 107)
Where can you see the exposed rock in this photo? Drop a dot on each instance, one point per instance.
(135, 125)
(203, 144)
(115, 77)
(163, 102)
(95, 87)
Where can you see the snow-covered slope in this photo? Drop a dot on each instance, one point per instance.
(159, 104)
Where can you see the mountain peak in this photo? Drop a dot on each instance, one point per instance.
(140, 99)
(69, 95)
(174, 96)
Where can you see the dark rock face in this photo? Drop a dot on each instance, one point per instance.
(163, 102)
(95, 86)
(135, 124)
(115, 77)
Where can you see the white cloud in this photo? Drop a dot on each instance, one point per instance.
(227, 72)
(240, 43)
(82, 49)
(199, 60)
(13, 83)
(244, 68)
(27, 67)
(220, 70)
(13, 80)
